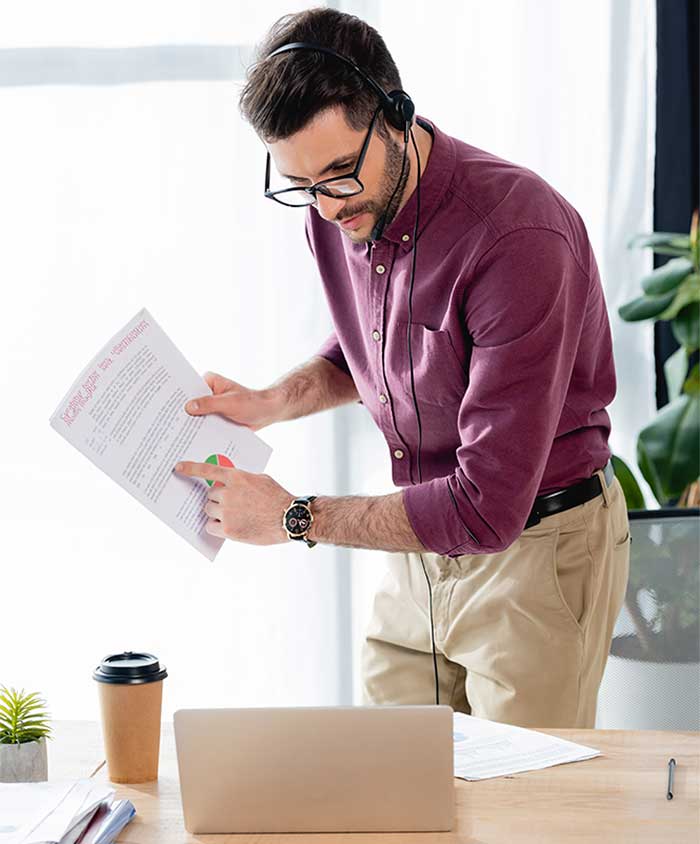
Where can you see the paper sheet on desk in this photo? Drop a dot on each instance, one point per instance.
(126, 413)
(40, 812)
(484, 749)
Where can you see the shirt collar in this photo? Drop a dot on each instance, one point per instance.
(433, 185)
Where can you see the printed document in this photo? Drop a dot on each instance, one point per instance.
(485, 749)
(126, 413)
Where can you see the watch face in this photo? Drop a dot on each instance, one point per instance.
(297, 519)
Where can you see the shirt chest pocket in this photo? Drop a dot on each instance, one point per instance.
(440, 376)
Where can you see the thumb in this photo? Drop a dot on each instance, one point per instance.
(204, 404)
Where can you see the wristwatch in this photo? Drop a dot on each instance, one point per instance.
(297, 519)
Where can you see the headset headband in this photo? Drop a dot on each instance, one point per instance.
(397, 105)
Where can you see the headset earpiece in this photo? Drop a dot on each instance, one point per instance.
(400, 112)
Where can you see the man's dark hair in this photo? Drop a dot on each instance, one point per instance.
(284, 93)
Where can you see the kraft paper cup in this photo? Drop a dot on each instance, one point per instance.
(131, 692)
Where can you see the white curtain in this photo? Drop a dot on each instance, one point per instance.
(114, 196)
(129, 179)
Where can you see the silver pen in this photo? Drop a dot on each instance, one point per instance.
(671, 769)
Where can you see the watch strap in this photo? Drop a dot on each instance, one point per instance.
(306, 499)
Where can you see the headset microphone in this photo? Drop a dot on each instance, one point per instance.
(399, 111)
(376, 232)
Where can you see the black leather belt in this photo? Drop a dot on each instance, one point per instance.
(572, 496)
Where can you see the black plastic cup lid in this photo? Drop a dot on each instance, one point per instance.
(129, 668)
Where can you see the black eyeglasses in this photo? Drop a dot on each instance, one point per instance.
(339, 187)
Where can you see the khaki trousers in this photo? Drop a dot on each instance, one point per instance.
(522, 636)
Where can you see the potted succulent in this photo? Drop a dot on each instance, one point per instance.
(653, 676)
(24, 728)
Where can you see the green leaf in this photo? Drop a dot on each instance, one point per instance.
(667, 277)
(686, 327)
(23, 716)
(692, 382)
(663, 243)
(695, 239)
(687, 294)
(668, 449)
(648, 470)
(646, 307)
(675, 370)
(633, 493)
(30, 703)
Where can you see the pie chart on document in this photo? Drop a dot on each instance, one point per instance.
(218, 460)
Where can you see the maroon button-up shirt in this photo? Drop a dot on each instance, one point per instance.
(512, 352)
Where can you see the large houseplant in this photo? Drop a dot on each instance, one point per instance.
(24, 728)
(668, 449)
(662, 600)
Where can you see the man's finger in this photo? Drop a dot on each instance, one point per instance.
(211, 378)
(208, 471)
(204, 404)
(215, 528)
(214, 493)
(214, 511)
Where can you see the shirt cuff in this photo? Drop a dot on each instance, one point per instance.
(331, 351)
(435, 520)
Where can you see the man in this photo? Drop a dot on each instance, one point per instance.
(512, 368)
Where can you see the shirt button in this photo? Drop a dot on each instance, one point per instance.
(376, 335)
(383, 399)
(380, 268)
(398, 454)
(405, 237)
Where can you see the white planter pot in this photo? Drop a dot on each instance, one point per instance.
(26, 762)
(639, 695)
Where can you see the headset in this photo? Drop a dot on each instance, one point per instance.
(398, 109)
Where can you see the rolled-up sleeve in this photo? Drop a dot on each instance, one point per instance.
(524, 307)
(330, 350)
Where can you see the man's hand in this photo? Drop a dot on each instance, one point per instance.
(252, 408)
(243, 506)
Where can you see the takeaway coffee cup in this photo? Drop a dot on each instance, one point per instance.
(131, 691)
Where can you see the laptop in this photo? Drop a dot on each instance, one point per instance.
(316, 769)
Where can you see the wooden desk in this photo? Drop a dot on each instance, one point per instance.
(620, 797)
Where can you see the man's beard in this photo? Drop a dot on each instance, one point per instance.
(393, 160)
